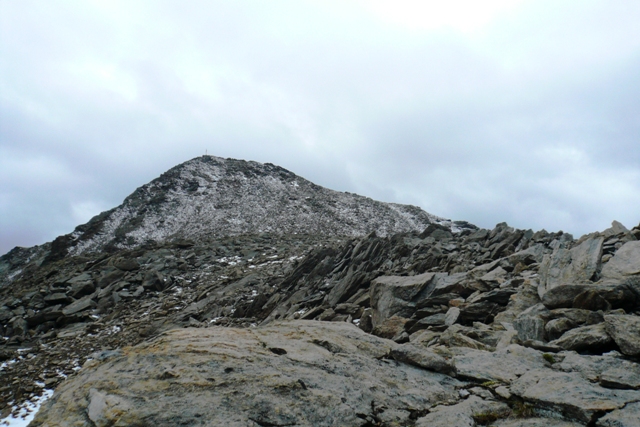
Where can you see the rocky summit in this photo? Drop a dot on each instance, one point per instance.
(234, 293)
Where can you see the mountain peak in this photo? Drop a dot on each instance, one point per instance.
(209, 197)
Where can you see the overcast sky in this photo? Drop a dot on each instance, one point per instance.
(487, 111)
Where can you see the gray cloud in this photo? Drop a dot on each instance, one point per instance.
(531, 117)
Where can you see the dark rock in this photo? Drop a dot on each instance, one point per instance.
(154, 280)
(57, 298)
(424, 323)
(591, 300)
(126, 264)
(483, 312)
(110, 277)
(497, 296)
(78, 306)
(19, 327)
(562, 296)
(80, 289)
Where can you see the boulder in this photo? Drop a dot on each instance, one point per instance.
(497, 296)
(591, 300)
(126, 264)
(451, 316)
(593, 367)
(574, 266)
(525, 297)
(592, 338)
(495, 277)
(421, 357)
(109, 277)
(57, 298)
(390, 327)
(483, 312)
(557, 327)
(446, 284)
(395, 295)
(562, 296)
(81, 278)
(625, 331)
(621, 378)
(625, 263)
(78, 306)
(426, 322)
(289, 373)
(19, 326)
(530, 323)
(464, 414)
(80, 289)
(154, 280)
(569, 395)
(624, 417)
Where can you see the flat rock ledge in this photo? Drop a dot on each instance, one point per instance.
(310, 373)
(302, 373)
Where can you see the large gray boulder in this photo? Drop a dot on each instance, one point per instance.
(531, 322)
(395, 295)
(593, 338)
(575, 266)
(303, 373)
(625, 331)
(624, 264)
(400, 295)
(624, 417)
(600, 296)
(593, 368)
(569, 395)
(562, 296)
(463, 414)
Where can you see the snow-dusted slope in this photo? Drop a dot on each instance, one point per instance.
(211, 196)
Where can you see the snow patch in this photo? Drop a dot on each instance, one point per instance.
(27, 411)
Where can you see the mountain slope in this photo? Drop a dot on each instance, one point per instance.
(211, 197)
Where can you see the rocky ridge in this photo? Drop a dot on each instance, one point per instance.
(501, 327)
(209, 197)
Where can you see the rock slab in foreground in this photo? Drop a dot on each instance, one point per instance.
(300, 373)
